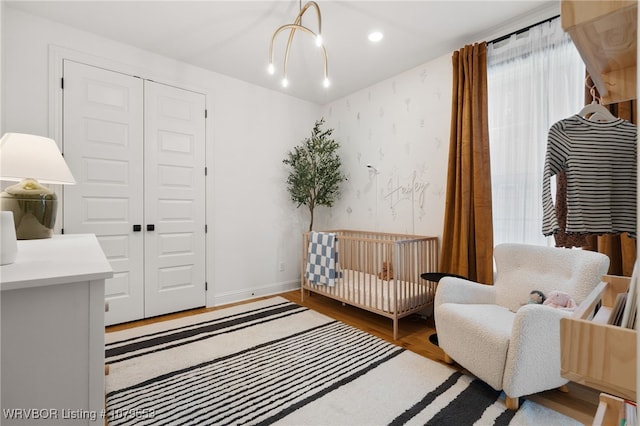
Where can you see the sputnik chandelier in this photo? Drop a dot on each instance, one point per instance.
(292, 30)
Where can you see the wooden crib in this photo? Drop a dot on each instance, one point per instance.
(361, 282)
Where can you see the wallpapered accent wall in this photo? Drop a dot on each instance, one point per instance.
(401, 128)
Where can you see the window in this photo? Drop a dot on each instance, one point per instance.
(534, 79)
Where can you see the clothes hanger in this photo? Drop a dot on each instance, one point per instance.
(600, 118)
(595, 111)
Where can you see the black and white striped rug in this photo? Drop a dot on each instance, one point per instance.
(273, 361)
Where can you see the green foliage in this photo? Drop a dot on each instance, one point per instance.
(315, 176)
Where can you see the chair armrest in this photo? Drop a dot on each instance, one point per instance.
(459, 290)
(533, 359)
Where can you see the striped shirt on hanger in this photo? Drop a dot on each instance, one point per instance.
(599, 160)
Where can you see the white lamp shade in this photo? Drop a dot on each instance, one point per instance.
(29, 156)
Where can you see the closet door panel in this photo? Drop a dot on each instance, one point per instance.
(175, 199)
(103, 136)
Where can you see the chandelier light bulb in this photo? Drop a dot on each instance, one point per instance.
(318, 40)
(285, 82)
(326, 83)
(375, 36)
(271, 69)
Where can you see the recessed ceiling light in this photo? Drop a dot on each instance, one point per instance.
(375, 36)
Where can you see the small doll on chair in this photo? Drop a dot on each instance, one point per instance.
(536, 297)
(555, 299)
(560, 300)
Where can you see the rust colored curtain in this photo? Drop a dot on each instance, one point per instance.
(621, 249)
(467, 240)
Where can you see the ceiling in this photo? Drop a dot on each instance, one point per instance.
(233, 37)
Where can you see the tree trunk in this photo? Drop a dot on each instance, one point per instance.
(311, 222)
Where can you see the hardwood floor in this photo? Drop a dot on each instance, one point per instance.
(579, 403)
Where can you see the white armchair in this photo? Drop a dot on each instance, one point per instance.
(491, 331)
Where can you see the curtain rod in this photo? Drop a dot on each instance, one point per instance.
(520, 31)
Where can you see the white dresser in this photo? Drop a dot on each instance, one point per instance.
(52, 332)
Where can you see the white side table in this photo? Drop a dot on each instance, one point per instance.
(52, 332)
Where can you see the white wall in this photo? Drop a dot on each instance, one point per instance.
(1, 65)
(253, 227)
(401, 127)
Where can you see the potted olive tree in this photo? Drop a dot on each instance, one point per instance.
(315, 176)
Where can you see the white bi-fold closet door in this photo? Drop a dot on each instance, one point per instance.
(137, 151)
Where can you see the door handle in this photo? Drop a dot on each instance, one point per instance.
(137, 228)
(151, 227)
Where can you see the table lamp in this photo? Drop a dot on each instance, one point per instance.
(31, 160)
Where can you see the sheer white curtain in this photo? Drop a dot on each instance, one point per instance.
(534, 79)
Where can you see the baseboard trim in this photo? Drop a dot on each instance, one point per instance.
(252, 293)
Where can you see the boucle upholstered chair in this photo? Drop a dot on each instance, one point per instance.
(491, 331)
